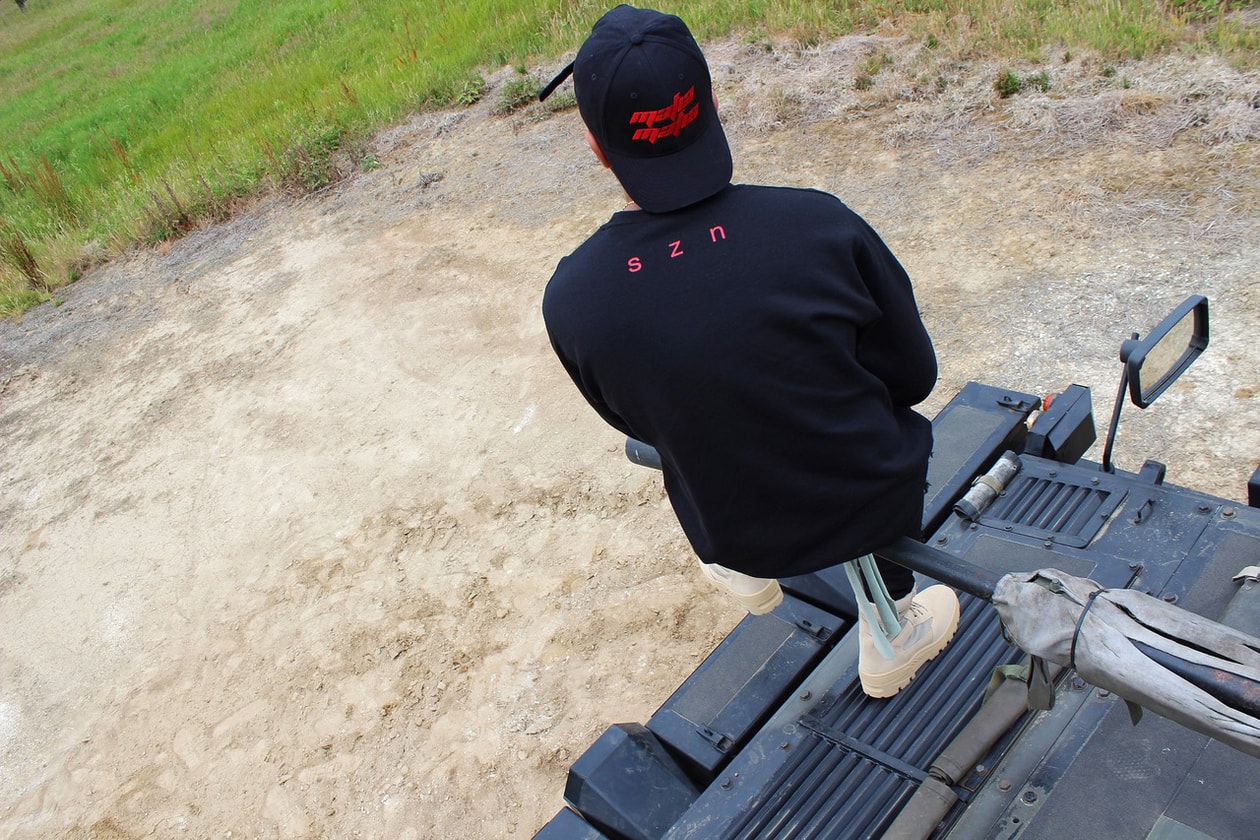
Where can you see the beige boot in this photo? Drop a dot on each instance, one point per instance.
(928, 621)
(757, 595)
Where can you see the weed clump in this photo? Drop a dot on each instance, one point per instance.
(308, 160)
(1009, 83)
(516, 94)
(1038, 81)
(473, 89)
(17, 254)
(864, 79)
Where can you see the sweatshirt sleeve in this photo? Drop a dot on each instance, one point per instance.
(561, 320)
(590, 393)
(896, 346)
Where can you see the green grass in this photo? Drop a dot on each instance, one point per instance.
(130, 121)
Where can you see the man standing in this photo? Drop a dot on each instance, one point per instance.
(764, 340)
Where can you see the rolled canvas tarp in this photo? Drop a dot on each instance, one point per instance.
(1192, 670)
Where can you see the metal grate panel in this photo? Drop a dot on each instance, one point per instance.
(1046, 506)
(859, 764)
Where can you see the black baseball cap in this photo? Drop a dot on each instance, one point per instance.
(644, 91)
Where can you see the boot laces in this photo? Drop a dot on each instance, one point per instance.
(915, 611)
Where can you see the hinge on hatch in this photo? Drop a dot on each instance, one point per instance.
(720, 742)
(1017, 403)
(818, 631)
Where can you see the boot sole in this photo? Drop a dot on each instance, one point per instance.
(765, 603)
(757, 603)
(885, 685)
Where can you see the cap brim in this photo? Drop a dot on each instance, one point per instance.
(680, 179)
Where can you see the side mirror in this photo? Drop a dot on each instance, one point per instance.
(1153, 363)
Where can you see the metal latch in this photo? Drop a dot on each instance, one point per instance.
(721, 742)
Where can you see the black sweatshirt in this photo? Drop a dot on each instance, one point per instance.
(768, 344)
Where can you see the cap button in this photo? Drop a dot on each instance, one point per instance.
(636, 38)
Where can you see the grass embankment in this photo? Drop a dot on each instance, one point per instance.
(131, 121)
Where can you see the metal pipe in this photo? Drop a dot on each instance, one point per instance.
(642, 454)
(987, 487)
(938, 565)
(905, 551)
(1236, 691)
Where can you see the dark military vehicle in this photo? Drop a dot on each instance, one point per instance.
(771, 737)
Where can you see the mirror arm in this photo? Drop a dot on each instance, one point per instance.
(1125, 351)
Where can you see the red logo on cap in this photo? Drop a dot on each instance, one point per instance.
(676, 116)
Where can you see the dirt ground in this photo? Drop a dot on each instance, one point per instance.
(306, 534)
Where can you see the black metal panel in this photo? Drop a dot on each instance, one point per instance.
(628, 786)
(1092, 772)
(568, 825)
(1204, 582)
(1065, 429)
(1156, 528)
(970, 432)
(1213, 801)
(842, 767)
(1047, 501)
(1138, 530)
(1115, 784)
(1005, 553)
(727, 699)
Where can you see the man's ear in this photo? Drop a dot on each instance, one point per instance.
(597, 149)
